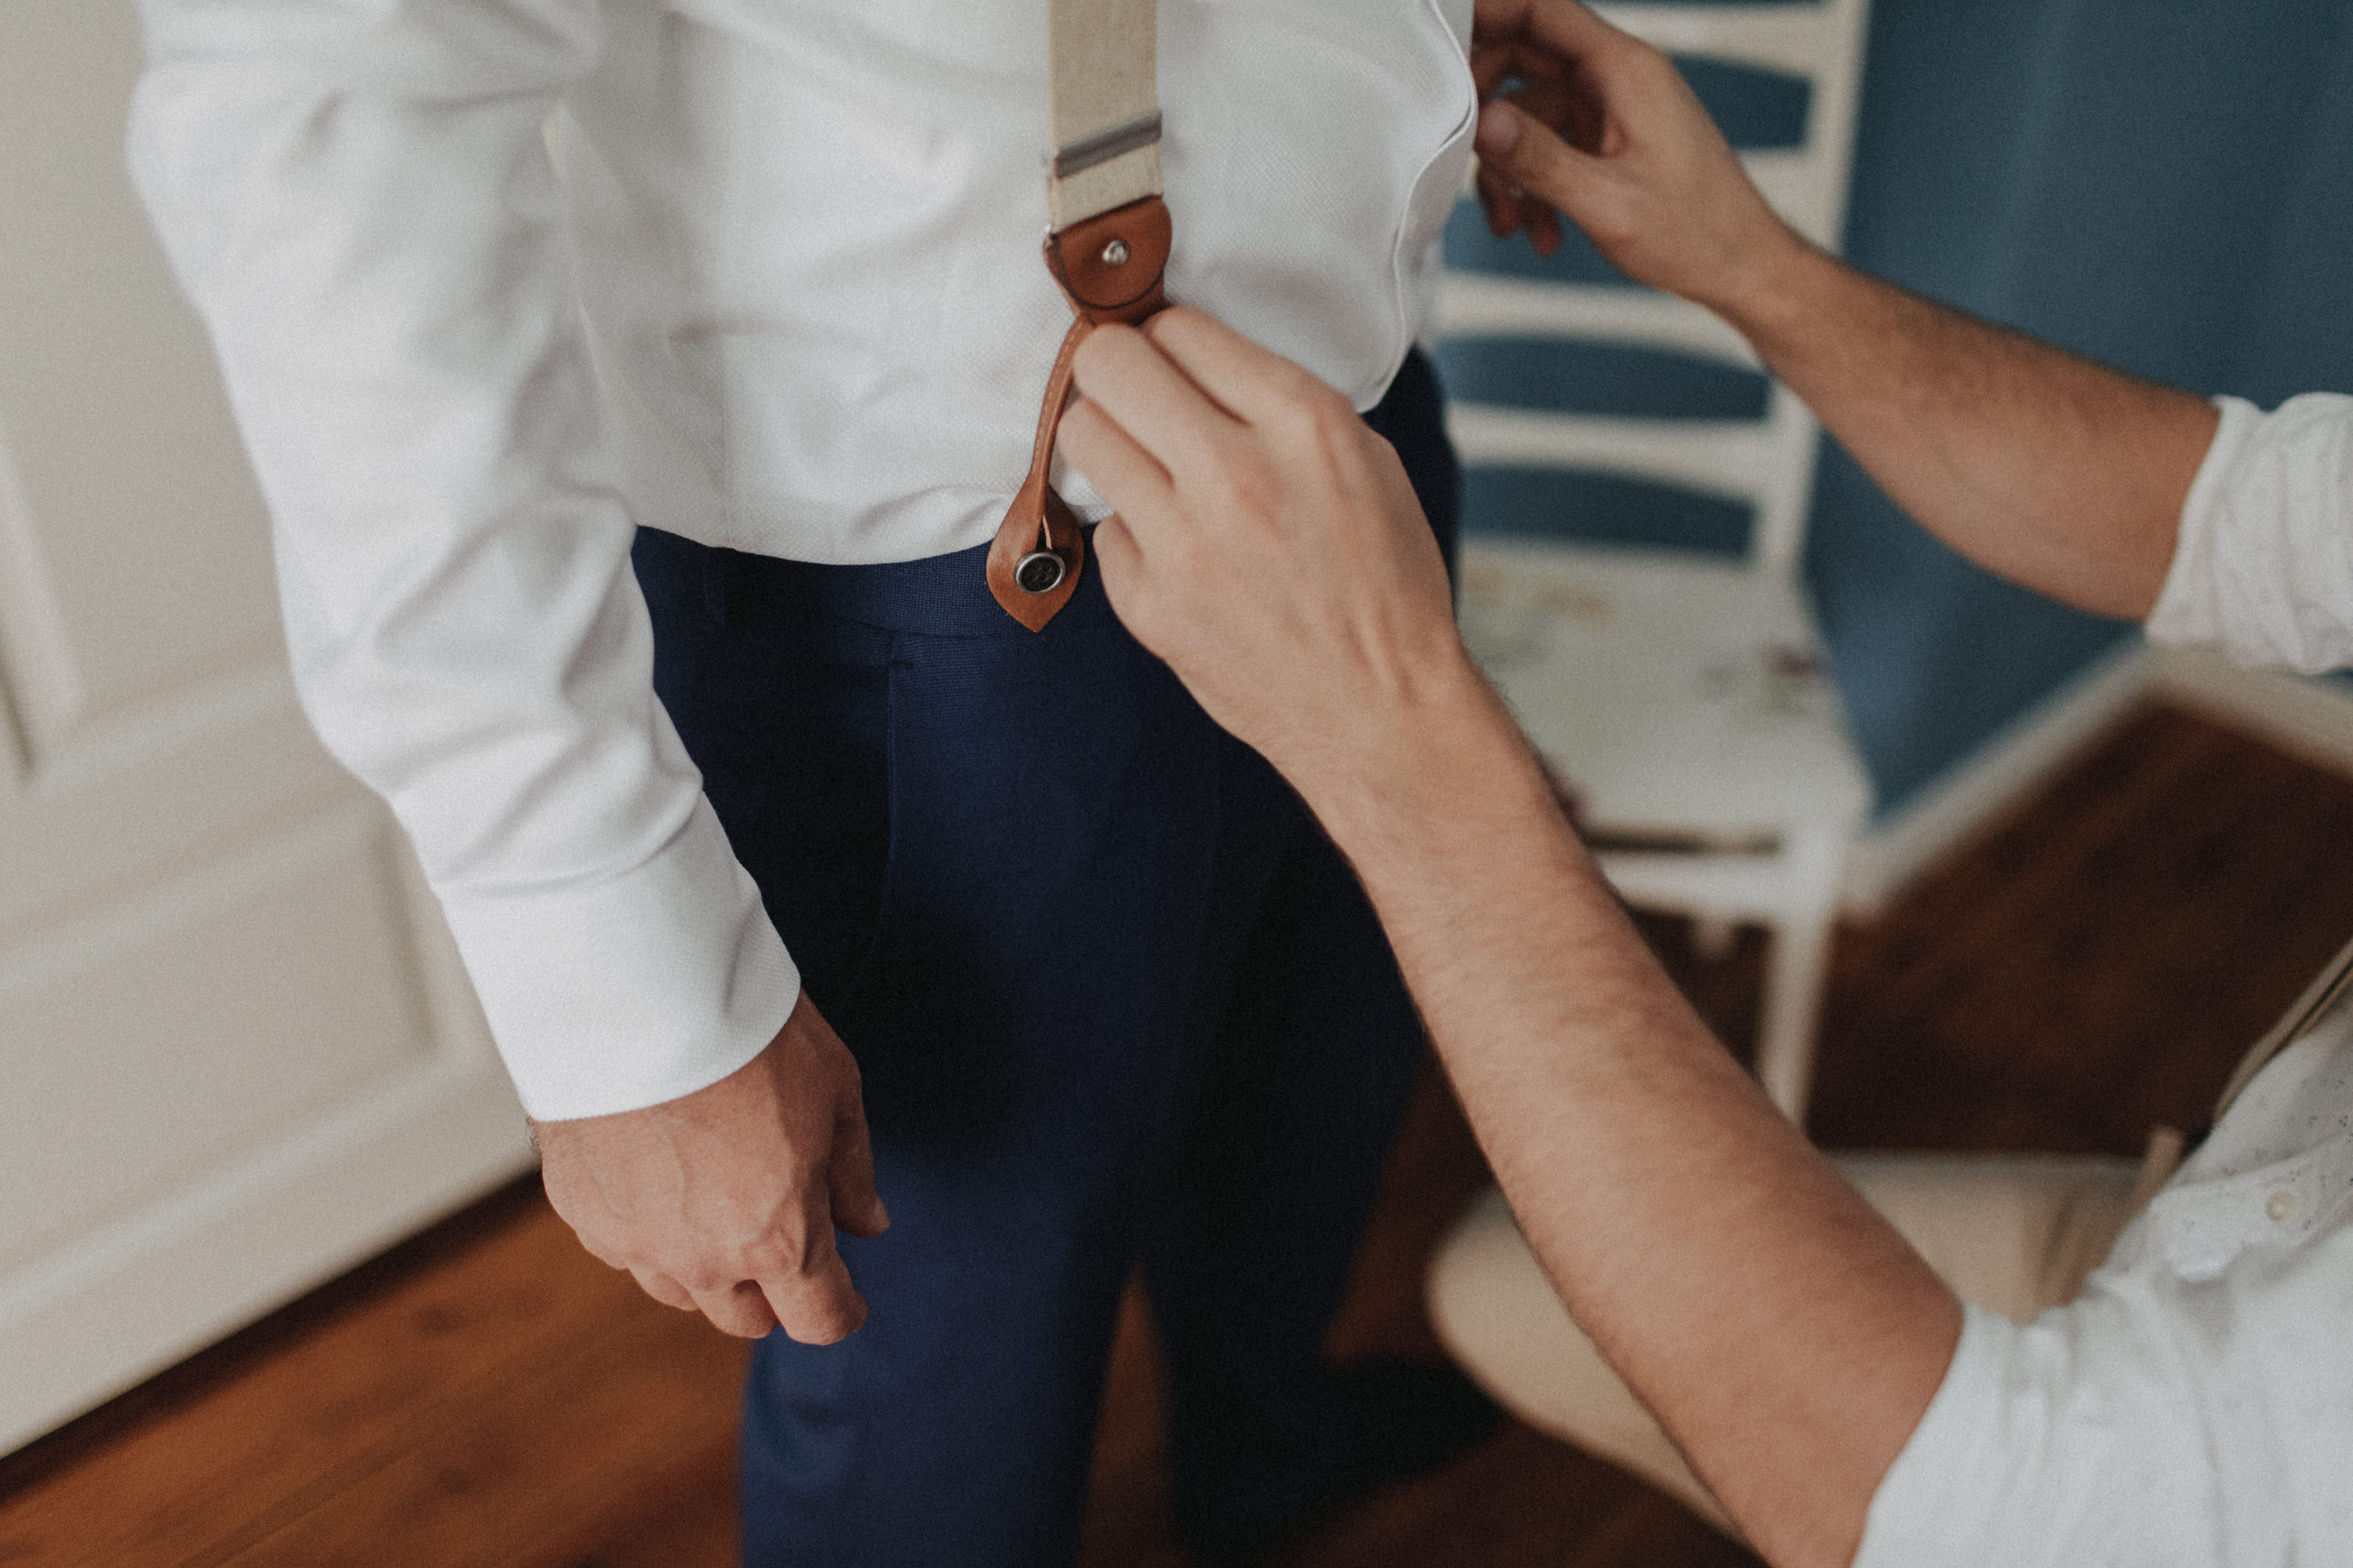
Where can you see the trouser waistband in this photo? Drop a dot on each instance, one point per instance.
(947, 596)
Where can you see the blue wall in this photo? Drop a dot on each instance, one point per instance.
(2164, 185)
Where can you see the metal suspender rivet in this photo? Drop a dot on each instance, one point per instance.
(1108, 249)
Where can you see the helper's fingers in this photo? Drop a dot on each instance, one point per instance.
(740, 1309)
(1258, 385)
(1568, 112)
(1501, 199)
(1555, 27)
(850, 1176)
(1543, 231)
(1147, 396)
(1113, 461)
(815, 1302)
(1493, 65)
(1143, 598)
(1522, 150)
(1118, 557)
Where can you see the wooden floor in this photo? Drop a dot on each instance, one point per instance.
(486, 1395)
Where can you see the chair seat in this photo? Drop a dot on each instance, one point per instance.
(1685, 697)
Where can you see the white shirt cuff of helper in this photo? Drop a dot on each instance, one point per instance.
(2262, 564)
(631, 989)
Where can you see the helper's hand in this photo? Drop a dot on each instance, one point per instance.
(724, 1201)
(1605, 129)
(1266, 544)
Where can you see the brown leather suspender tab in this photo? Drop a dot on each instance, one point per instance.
(1035, 559)
(1114, 267)
(1108, 250)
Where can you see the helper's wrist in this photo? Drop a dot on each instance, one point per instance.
(1766, 293)
(1434, 766)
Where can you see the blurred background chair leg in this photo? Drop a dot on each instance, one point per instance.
(1796, 969)
(1712, 936)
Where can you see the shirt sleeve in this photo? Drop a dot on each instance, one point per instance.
(2164, 1419)
(2059, 1443)
(2263, 563)
(360, 201)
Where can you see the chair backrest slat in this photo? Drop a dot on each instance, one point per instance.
(1767, 463)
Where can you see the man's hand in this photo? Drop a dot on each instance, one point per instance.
(1267, 545)
(724, 1201)
(1603, 128)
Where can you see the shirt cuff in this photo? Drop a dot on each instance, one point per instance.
(633, 990)
(2263, 565)
(2185, 610)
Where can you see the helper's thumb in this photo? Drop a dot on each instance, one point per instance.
(1525, 151)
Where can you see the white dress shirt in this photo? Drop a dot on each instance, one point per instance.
(2194, 1406)
(493, 282)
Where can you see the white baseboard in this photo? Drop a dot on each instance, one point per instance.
(2308, 719)
(2312, 720)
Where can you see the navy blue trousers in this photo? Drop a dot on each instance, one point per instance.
(1117, 1003)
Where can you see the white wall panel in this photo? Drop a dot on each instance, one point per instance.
(236, 1050)
(141, 554)
(296, 955)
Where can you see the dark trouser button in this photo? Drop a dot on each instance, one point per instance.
(1039, 572)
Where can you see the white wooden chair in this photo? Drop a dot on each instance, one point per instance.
(1685, 694)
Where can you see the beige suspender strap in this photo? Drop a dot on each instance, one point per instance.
(1106, 107)
(2292, 1025)
(1108, 249)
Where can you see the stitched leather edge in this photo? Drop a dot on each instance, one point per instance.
(1099, 292)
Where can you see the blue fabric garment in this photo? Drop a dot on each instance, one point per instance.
(1116, 1002)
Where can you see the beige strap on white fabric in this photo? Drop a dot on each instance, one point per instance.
(2292, 1025)
(1101, 65)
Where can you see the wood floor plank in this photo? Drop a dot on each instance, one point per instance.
(1522, 1501)
(1652, 1528)
(537, 1469)
(2094, 962)
(2147, 917)
(691, 1524)
(320, 1410)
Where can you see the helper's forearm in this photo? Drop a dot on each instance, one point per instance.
(2040, 466)
(1786, 1338)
